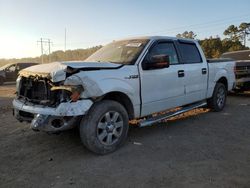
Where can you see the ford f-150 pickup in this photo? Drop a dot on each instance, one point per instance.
(125, 80)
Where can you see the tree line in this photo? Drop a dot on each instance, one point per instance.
(213, 47)
(68, 55)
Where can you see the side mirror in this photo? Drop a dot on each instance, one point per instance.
(157, 62)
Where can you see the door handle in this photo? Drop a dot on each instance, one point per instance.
(181, 73)
(204, 71)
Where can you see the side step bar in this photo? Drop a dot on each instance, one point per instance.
(156, 119)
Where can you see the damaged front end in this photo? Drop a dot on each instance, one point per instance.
(49, 106)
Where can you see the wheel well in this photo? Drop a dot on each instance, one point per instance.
(123, 99)
(223, 80)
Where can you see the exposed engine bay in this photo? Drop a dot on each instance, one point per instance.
(42, 91)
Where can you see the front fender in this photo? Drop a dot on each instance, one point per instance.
(99, 83)
(94, 89)
(110, 85)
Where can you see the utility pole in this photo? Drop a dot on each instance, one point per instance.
(49, 48)
(41, 48)
(65, 40)
(45, 42)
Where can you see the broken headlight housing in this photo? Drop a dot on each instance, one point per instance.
(69, 92)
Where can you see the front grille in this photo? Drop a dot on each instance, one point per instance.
(243, 68)
(34, 89)
(37, 91)
(242, 71)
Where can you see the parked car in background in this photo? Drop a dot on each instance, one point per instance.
(10, 71)
(242, 69)
(237, 55)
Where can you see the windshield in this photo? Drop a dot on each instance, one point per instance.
(120, 52)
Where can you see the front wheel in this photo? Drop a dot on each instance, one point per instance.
(218, 100)
(104, 129)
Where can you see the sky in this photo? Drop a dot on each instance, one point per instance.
(97, 22)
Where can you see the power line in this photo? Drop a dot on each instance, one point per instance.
(199, 26)
(43, 42)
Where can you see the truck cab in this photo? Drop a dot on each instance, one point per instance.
(183, 82)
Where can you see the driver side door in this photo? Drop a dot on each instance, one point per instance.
(11, 73)
(162, 88)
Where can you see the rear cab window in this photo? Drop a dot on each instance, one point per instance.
(189, 52)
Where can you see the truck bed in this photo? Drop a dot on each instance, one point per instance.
(219, 60)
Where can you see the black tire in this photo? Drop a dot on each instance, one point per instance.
(218, 100)
(104, 118)
(1, 80)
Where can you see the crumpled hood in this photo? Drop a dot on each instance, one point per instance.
(56, 71)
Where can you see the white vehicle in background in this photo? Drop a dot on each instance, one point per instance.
(125, 80)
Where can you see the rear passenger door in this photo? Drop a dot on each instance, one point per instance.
(195, 70)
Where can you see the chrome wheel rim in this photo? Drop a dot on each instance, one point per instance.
(221, 96)
(109, 128)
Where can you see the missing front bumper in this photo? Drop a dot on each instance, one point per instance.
(65, 116)
(53, 124)
(64, 109)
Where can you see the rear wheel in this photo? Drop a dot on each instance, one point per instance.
(104, 129)
(218, 100)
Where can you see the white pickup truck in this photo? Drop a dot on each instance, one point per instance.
(124, 80)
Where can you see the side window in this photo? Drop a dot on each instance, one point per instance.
(189, 53)
(165, 48)
(11, 68)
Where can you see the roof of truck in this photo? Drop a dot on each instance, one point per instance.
(156, 38)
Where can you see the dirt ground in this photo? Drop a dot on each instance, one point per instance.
(203, 149)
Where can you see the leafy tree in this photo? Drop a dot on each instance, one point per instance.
(230, 46)
(233, 32)
(187, 35)
(244, 30)
(215, 47)
(238, 33)
(212, 47)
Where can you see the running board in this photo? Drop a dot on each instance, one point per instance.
(153, 120)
